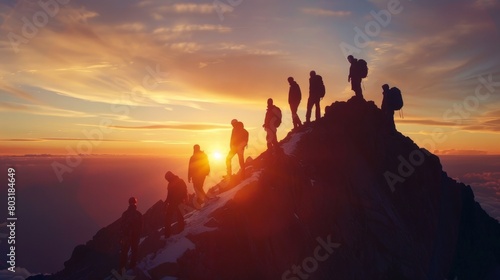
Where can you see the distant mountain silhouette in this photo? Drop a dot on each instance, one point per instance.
(350, 198)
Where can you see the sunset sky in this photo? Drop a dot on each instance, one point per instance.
(156, 77)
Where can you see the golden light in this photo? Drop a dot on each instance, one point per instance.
(216, 155)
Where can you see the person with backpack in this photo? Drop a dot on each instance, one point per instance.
(391, 101)
(198, 170)
(177, 194)
(357, 72)
(294, 97)
(316, 93)
(271, 123)
(130, 233)
(237, 144)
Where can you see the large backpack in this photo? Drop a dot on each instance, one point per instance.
(395, 99)
(362, 68)
(278, 115)
(321, 87)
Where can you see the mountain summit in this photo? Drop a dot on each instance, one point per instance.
(348, 198)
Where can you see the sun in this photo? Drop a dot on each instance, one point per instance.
(217, 156)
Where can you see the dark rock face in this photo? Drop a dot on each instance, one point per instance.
(354, 200)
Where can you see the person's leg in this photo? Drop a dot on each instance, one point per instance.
(229, 158)
(318, 110)
(269, 138)
(180, 218)
(134, 248)
(202, 190)
(310, 104)
(356, 86)
(168, 219)
(125, 245)
(241, 159)
(274, 131)
(198, 188)
(295, 116)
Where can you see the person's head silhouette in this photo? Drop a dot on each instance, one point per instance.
(312, 73)
(196, 148)
(169, 176)
(385, 87)
(350, 58)
(290, 80)
(270, 102)
(234, 122)
(132, 201)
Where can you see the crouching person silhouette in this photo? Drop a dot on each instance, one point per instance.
(130, 232)
(177, 193)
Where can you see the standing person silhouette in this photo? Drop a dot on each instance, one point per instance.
(271, 123)
(386, 106)
(237, 144)
(355, 77)
(316, 92)
(198, 170)
(130, 233)
(294, 97)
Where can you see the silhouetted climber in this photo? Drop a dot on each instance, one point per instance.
(239, 140)
(198, 170)
(177, 193)
(391, 101)
(357, 72)
(316, 93)
(294, 97)
(386, 108)
(130, 233)
(271, 123)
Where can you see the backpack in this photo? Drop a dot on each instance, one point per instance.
(277, 114)
(321, 86)
(362, 68)
(395, 99)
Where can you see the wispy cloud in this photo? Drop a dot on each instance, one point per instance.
(177, 126)
(182, 28)
(460, 152)
(191, 8)
(325, 12)
(42, 110)
(56, 139)
(17, 92)
(426, 122)
(485, 125)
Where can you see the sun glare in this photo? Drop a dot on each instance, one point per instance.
(217, 156)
